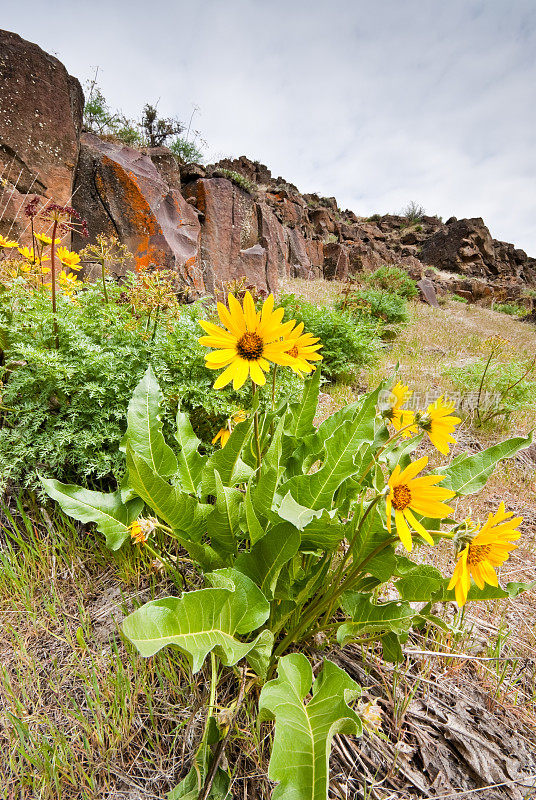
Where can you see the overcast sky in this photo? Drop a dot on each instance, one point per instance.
(377, 102)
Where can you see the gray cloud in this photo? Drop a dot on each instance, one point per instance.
(375, 103)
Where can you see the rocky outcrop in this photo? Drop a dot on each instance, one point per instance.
(120, 192)
(40, 120)
(216, 223)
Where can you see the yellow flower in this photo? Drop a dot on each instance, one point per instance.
(488, 549)
(302, 348)
(42, 237)
(4, 242)
(439, 424)
(400, 417)
(141, 529)
(68, 258)
(252, 339)
(408, 494)
(224, 433)
(28, 253)
(67, 281)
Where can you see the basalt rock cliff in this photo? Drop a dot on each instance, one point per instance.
(212, 224)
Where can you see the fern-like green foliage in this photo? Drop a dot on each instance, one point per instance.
(393, 279)
(66, 408)
(386, 307)
(348, 344)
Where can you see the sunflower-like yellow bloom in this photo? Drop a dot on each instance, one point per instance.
(408, 493)
(141, 529)
(5, 242)
(68, 281)
(302, 348)
(252, 339)
(490, 548)
(29, 255)
(42, 237)
(224, 433)
(439, 424)
(401, 417)
(68, 258)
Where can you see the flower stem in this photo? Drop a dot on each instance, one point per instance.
(256, 431)
(53, 273)
(104, 289)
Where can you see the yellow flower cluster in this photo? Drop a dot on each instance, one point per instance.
(408, 492)
(437, 421)
(252, 339)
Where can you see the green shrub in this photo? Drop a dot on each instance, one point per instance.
(495, 389)
(66, 408)
(414, 212)
(393, 279)
(459, 299)
(374, 218)
(348, 345)
(236, 178)
(510, 308)
(386, 307)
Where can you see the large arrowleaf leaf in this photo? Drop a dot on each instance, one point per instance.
(264, 561)
(203, 620)
(190, 461)
(303, 732)
(180, 510)
(144, 431)
(108, 511)
(223, 521)
(316, 490)
(303, 413)
(368, 618)
(468, 474)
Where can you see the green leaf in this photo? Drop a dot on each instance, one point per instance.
(303, 732)
(108, 511)
(324, 533)
(190, 787)
(368, 618)
(303, 413)
(297, 515)
(418, 582)
(254, 527)
(222, 524)
(202, 621)
(144, 431)
(264, 561)
(316, 490)
(468, 474)
(190, 461)
(371, 545)
(178, 509)
(227, 460)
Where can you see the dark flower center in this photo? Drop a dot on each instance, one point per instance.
(250, 346)
(477, 553)
(293, 352)
(401, 497)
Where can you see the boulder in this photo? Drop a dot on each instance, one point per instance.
(120, 192)
(427, 292)
(40, 121)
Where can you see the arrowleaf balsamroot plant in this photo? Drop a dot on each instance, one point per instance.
(286, 555)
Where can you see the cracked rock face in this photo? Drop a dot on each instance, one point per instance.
(120, 192)
(40, 120)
